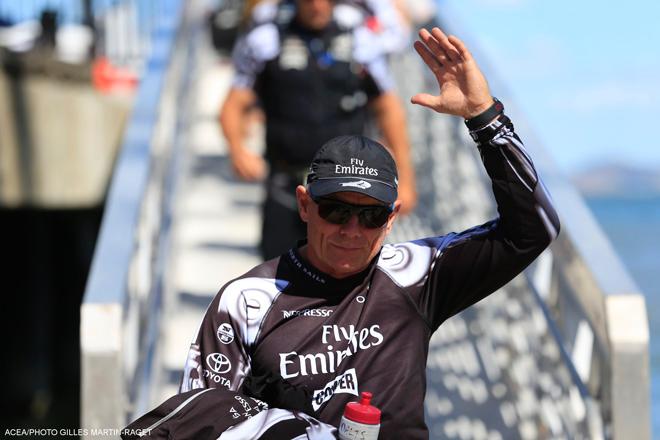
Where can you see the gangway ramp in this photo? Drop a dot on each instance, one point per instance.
(513, 366)
(482, 365)
(216, 219)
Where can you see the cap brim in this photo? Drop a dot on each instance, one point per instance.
(372, 188)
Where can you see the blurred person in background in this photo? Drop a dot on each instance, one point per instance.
(417, 13)
(316, 78)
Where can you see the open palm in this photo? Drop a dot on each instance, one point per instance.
(463, 88)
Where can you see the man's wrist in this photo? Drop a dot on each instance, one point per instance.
(485, 134)
(486, 117)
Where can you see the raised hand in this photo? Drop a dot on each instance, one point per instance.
(463, 88)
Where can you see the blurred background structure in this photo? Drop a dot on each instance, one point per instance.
(121, 219)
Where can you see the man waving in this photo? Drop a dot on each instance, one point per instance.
(284, 347)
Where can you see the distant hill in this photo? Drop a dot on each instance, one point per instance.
(614, 180)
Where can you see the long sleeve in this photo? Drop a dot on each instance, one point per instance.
(213, 403)
(470, 265)
(214, 413)
(220, 354)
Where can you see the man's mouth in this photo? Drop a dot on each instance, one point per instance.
(347, 247)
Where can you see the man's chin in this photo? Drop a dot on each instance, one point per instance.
(346, 267)
(346, 260)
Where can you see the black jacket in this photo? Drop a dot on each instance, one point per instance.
(330, 339)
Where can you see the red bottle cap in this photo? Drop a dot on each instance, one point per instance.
(362, 411)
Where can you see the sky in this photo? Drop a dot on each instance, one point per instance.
(586, 74)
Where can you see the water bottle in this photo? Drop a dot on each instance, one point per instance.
(361, 420)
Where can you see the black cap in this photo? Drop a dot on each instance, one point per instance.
(355, 164)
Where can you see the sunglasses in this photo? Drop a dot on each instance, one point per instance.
(339, 213)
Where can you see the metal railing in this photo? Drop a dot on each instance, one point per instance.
(120, 30)
(455, 194)
(597, 310)
(120, 311)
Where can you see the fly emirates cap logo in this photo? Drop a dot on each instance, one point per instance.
(293, 364)
(363, 184)
(356, 167)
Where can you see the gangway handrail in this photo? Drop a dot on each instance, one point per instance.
(581, 279)
(122, 295)
(596, 305)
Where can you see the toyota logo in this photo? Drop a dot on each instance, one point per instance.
(218, 363)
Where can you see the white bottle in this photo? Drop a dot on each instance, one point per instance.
(361, 420)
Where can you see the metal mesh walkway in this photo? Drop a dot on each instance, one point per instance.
(215, 220)
(494, 371)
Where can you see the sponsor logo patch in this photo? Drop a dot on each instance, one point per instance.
(362, 184)
(217, 378)
(225, 333)
(346, 383)
(293, 364)
(218, 363)
(317, 313)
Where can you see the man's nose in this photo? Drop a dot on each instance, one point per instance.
(352, 227)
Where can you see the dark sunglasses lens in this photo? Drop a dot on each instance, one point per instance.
(339, 213)
(374, 217)
(334, 212)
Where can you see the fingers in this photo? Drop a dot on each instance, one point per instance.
(247, 174)
(433, 46)
(445, 44)
(440, 46)
(425, 100)
(428, 57)
(460, 46)
(248, 166)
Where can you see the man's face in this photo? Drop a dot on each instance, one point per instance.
(314, 14)
(341, 250)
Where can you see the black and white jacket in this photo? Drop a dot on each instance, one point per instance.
(369, 332)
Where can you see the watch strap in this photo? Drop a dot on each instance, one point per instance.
(485, 117)
(487, 133)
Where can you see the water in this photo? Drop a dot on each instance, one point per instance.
(633, 226)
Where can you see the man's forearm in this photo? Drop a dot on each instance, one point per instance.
(476, 262)
(247, 165)
(231, 120)
(526, 212)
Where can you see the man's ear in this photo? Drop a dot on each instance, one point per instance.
(303, 199)
(394, 215)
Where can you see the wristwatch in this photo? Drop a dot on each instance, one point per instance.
(484, 118)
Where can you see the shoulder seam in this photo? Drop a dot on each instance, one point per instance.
(407, 298)
(263, 320)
